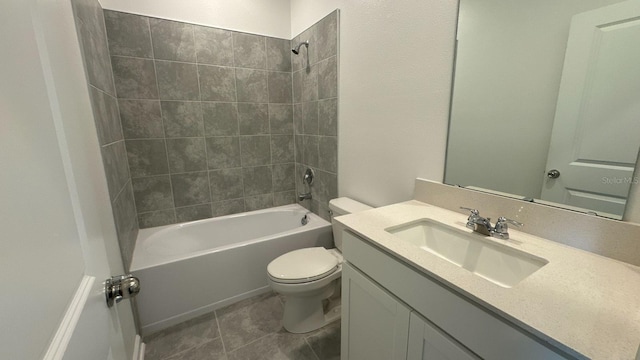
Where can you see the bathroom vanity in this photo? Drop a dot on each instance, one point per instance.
(406, 297)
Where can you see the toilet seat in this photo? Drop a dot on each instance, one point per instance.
(303, 265)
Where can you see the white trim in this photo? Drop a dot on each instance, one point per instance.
(69, 322)
(177, 319)
(138, 348)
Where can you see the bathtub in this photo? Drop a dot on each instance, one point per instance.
(189, 269)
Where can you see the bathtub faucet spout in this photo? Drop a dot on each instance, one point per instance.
(304, 196)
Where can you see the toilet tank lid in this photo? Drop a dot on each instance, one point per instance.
(345, 205)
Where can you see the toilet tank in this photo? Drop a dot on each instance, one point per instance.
(343, 206)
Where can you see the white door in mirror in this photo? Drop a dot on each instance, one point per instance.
(594, 143)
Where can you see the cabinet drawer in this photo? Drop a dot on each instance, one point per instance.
(479, 330)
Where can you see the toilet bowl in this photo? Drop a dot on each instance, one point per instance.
(310, 276)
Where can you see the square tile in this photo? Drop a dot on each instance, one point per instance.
(147, 157)
(278, 54)
(257, 180)
(310, 150)
(213, 46)
(310, 117)
(296, 86)
(279, 87)
(128, 34)
(298, 125)
(258, 202)
(252, 85)
(282, 149)
(186, 155)
(253, 119)
(220, 119)
(310, 83)
(95, 49)
(281, 119)
(134, 78)
(325, 187)
(193, 213)
(226, 184)
(284, 177)
(328, 78)
(255, 150)
(282, 345)
(182, 337)
(212, 350)
(223, 152)
(141, 119)
(328, 153)
(177, 81)
(249, 51)
(327, 36)
(152, 193)
(299, 148)
(249, 320)
(227, 207)
(328, 117)
(182, 118)
(284, 198)
(157, 218)
(106, 116)
(217, 83)
(124, 214)
(190, 189)
(116, 168)
(172, 40)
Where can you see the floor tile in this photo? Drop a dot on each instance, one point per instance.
(249, 320)
(212, 350)
(278, 346)
(325, 343)
(184, 336)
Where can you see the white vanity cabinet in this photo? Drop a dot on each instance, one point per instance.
(377, 326)
(392, 311)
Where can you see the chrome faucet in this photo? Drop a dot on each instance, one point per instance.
(483, 226)
(304, 196)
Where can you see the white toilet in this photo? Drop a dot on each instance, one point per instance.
(307, 277)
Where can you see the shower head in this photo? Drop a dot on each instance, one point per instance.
(296, 50)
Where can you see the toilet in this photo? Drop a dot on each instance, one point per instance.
(309, 277)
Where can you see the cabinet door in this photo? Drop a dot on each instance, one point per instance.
(427, 342)
(375, 326)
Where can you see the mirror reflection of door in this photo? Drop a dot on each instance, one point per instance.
(596, 132)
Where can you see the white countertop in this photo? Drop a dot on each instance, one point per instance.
(583, 303)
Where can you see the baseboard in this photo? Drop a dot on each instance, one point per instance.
(138, 348)
(177, 319)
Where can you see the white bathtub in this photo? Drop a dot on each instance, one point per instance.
(189, 269)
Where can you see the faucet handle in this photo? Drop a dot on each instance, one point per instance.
(471, 220)
(501, 229)
(472, 211)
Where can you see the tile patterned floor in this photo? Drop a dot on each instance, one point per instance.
(248, 330)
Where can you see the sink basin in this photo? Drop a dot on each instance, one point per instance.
(499, 264)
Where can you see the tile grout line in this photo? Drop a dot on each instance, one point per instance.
(235, 83)
(306, 341)
(166, 150)
(204, 132)
(224, 348)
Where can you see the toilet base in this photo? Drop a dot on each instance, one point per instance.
(303, 315)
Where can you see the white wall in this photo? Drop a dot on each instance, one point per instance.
(396, 59)
(270, 18)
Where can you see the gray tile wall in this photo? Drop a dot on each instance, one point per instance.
(92, 35)
(207, 117)
(315, 108)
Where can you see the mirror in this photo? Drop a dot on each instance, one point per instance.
(546, 101)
